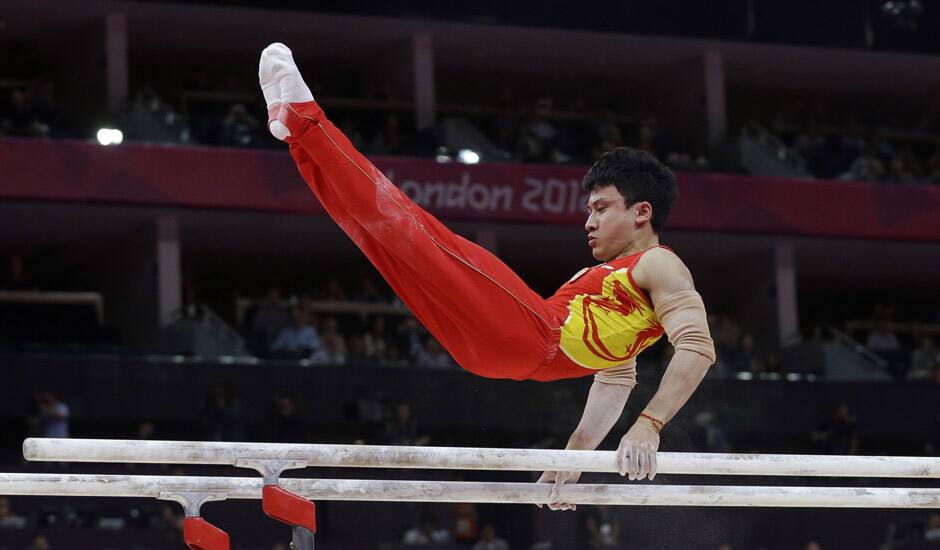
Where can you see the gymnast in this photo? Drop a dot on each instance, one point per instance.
(484, 315)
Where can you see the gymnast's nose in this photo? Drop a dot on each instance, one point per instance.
(591, 223)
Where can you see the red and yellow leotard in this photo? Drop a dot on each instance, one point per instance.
(607, 319)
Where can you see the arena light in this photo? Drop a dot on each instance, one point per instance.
(468, 156)
(442, 155)
(110, 136)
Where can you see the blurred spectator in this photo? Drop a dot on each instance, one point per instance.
(608, 132)
(746, 358)
(395, 358)
(932, 530)
(402, 429)
(52, 416)
(465, 522)
(839, 435)
(646, 141)
(434, 356)
(376, 340)
(685, 162)
(151, 119)
(416, 536)
(884, 342)
(905, 168)
(297, 340)
(371, 409)
(223, 416)
(867, 142)
(357, 350)
(270, 316)
(332, 350)
(866, 167)
(24, 118)
(40, 542)
(539, 140)
(9, 520)
(925, 361)
(410, 337)
(425, 533)
(603, 527)
(329, 331)
(813, 545)
(287, 425)
(610, 140)
(239, 128)
(489, 540)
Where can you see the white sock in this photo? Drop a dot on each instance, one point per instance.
(281, 85)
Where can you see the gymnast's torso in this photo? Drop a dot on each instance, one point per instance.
(608, 318)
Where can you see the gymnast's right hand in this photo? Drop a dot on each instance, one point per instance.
(559, 479)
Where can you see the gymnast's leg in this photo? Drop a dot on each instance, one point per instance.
(489, 320)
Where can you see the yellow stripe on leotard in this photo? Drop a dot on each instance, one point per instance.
(608, 329)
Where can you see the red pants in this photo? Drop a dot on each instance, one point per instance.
(483, 314)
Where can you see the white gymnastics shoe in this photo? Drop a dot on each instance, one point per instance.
(281, 85)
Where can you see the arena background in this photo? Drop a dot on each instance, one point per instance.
(144, 283)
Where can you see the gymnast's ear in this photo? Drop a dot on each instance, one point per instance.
(644, 211)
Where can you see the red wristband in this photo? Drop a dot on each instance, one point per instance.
(656, 423)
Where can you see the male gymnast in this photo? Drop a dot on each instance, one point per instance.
(484, 315)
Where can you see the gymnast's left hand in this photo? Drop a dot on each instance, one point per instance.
(559, 479)
(636, 455)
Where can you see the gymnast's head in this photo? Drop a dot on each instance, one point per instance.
(630, 196)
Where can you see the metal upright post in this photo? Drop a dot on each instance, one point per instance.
(198, 533)
(283, 505)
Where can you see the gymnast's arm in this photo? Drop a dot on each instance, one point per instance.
(682, 313)
(604, 406)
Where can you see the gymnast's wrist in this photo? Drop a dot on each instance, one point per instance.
(651, 421)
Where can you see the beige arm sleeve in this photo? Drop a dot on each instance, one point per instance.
(621, 375)
(682, 315)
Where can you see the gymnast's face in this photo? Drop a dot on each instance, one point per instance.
(613, 226)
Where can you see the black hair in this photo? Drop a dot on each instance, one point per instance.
(639, 177)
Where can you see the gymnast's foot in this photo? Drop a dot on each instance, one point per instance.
(281, 85)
